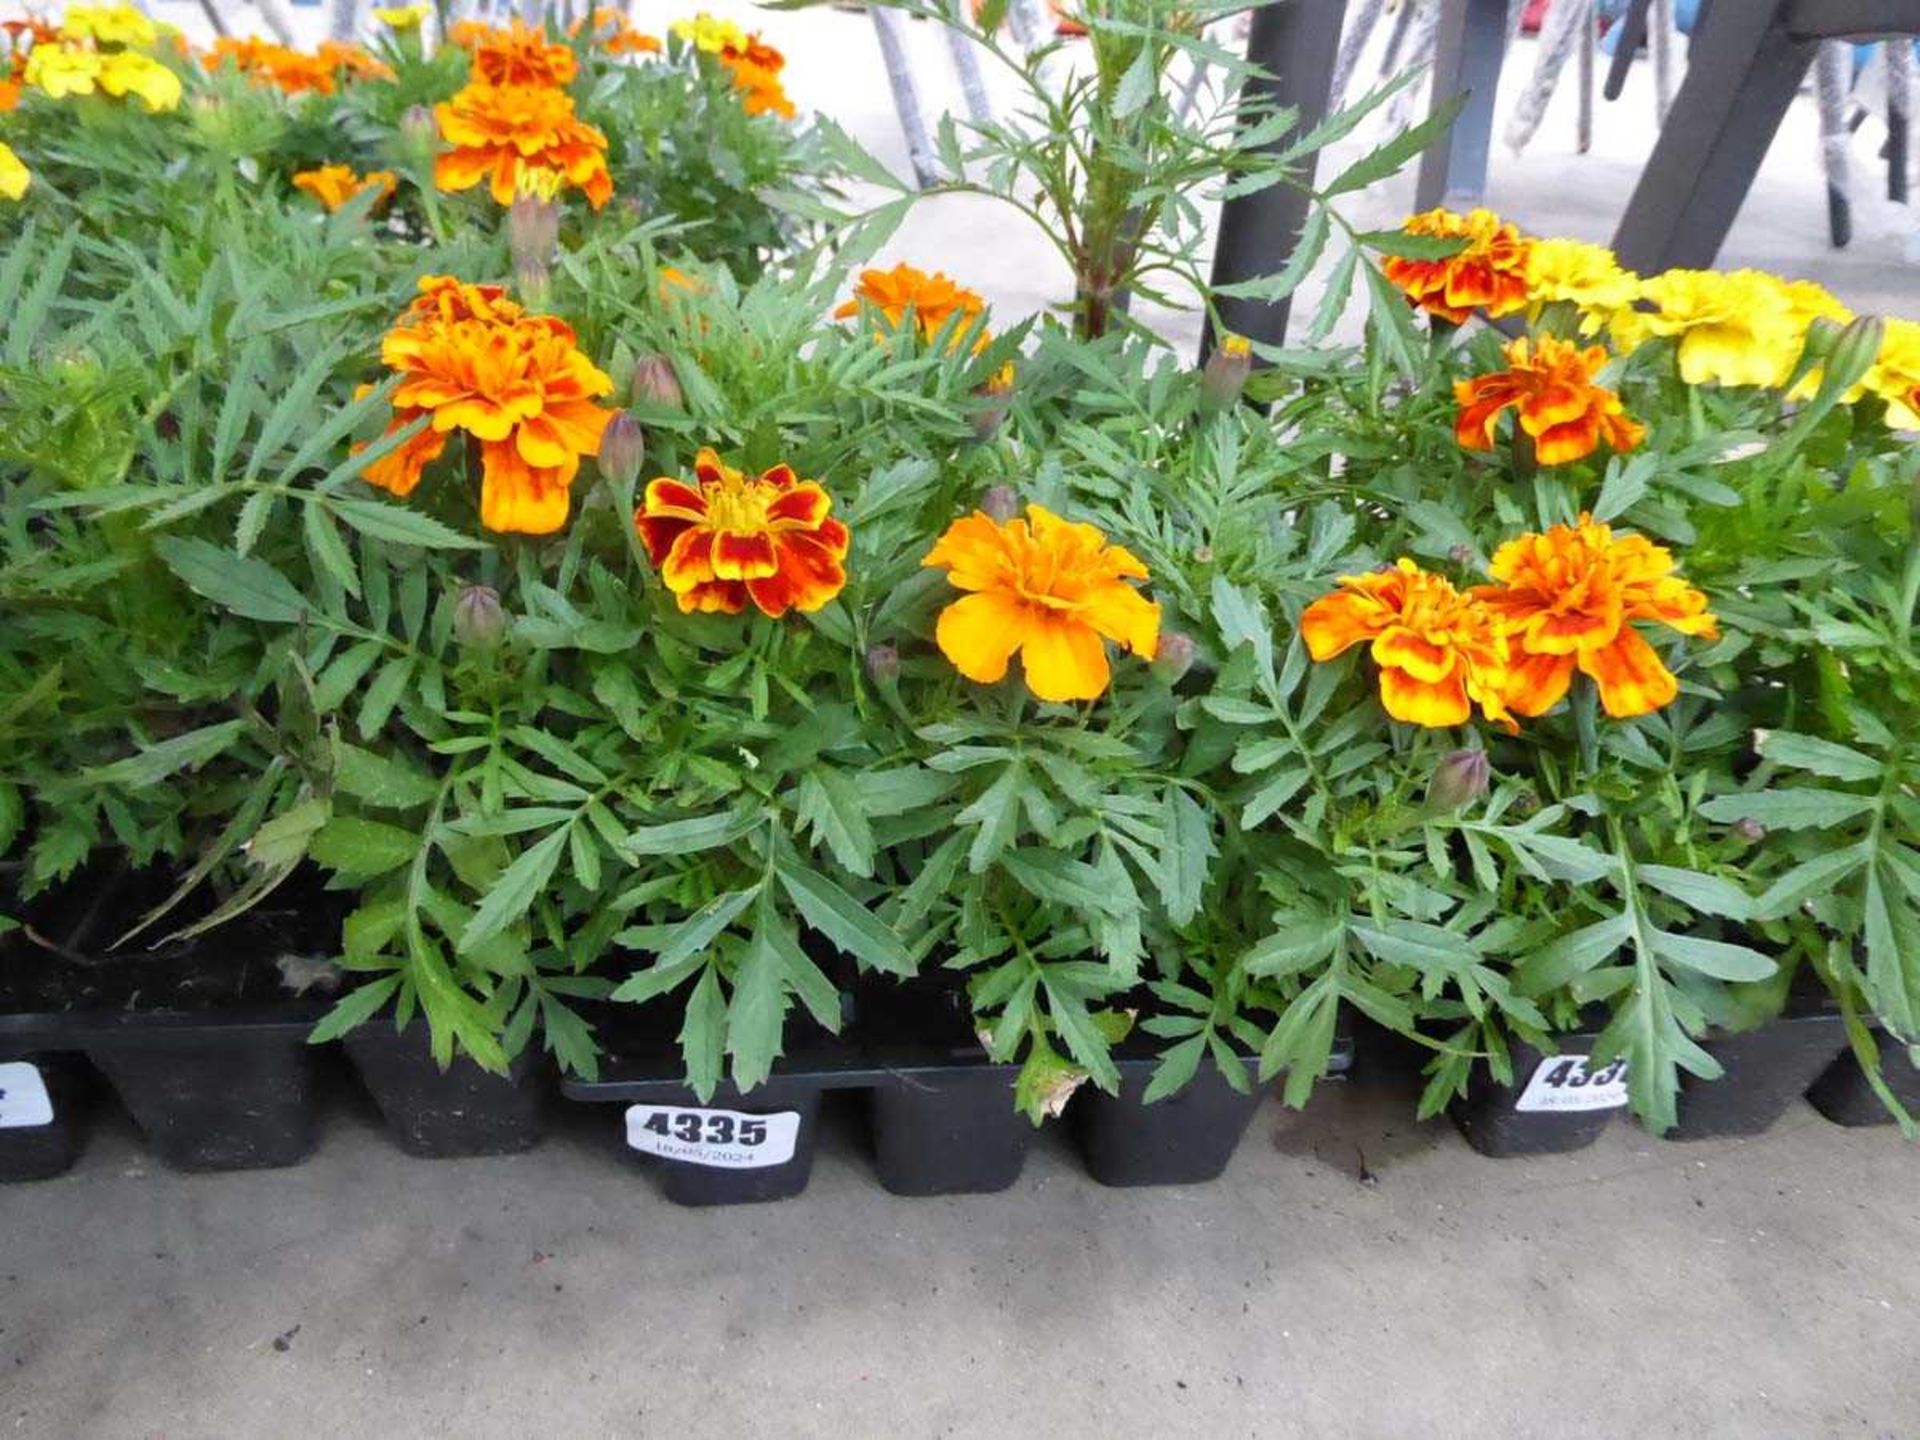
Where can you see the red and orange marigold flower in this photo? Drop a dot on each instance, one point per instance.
(1568, 598)
(1549, 384)
(471, 360)
(725, 538)
(514, 54)
(1489, 273)
(500, 132)
(1440, 652)
(1052, 591)
(755, 67)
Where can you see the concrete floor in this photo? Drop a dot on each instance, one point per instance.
(1764, 1287)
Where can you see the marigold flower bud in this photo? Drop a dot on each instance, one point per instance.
(533, 229)
(1856, 349)
(1000, 503)
(533, 280)
(655, 382)
(883, 664)
(419, 136)
(990, 417)
(1173, 657)
(622, 448)
(1822, 335)
(1461, 777)
(478, 621)
(1224, 376)
(1750, 829)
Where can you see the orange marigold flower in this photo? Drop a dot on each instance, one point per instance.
(1489, 273)
(1440, 652)
(1567, 600)
(514, 383)
(1052, 590)
(760, 90)
(499, 131)
(1549, 382)
(933, 299)
(514, 54)
(353, 58)
(726, 538)
(334, 185)
(613, 33)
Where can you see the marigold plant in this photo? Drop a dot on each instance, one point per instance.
(470, 360)
(1549, 384)
(1440, 652)
(727, 538)
(499, 132)
(1488, 273)
(932, 299)
(334, 185)
(1567, 599)
(1050, 590)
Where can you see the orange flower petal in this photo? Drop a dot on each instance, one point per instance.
(1420, 702)
(979, 633)
(1631, 677)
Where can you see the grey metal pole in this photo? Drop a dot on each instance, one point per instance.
(1899, 115)
(1296, 42)
(1468, 50)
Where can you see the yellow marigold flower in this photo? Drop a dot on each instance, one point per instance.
(109, 25)
(334, 185)
(60, 70)
(1439, 652)
(403, 17)
(1895, 376)
(516, 54)
(15, 178)
(1550, 383)
(706, 33)
(1051, 590)
(727, 538)
(498, 131)
(1489, 273)
(934, 299)
(127, 73)
(1567, 599)
(1583, 275)
(1733, 328)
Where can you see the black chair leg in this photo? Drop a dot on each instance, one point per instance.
(1296, 44)
(1469, 46)
(1633, 34)
(1744, 71)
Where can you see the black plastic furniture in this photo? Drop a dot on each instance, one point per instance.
(1746, 63)
(1297, 44)
(1469, 49)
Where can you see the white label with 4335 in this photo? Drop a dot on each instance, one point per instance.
(1563, 1082)
(23, 1097)
(722, 1139)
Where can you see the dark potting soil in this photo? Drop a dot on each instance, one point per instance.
(59, 961)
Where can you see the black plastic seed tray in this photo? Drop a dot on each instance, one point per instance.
(940, 1114)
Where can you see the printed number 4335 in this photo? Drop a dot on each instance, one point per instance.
(1572, 1074)
(691, 1128)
